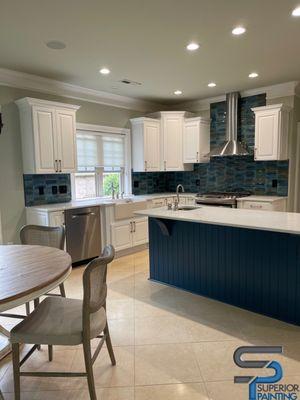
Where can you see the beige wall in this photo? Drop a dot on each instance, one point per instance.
(11, 176)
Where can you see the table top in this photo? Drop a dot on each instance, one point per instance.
(25, 270)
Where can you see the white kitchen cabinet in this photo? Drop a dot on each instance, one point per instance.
(56, 218)
(66, 139)
(48, 132)
(263, 203)
(172, 141)
(145, 144)
(121, 235)
(271, 132)
(140, 231)
(196, 140)
(129, 233)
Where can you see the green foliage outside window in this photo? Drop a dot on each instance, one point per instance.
(108, 179)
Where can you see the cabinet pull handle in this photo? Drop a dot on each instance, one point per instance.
(131, 228)
(60, 166)
(55, 166)
(197, 156)
(146, 166)
(134, 226)
(165, 165)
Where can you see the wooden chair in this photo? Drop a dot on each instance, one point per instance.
(68, 322)
(44, 236)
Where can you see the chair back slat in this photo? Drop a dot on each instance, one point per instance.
(94, 282)
(43, 236)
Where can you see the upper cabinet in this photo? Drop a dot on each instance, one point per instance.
(48, 131)
(145, 144)
(196, 140)
(271, 132)
(172, 141)
(157, 142)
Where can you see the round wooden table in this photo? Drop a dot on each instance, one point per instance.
(28, 272)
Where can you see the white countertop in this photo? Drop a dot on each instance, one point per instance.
(100, 202)
(263, 220)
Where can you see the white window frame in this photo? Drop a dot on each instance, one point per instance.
(110, 130)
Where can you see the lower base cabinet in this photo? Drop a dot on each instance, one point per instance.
(129, 233)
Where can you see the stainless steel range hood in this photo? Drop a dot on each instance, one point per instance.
(231, 147)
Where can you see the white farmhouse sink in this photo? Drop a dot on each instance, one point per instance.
(126, 208)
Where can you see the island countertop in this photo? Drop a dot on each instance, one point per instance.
(275, 221)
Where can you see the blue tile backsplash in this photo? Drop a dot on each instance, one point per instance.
(223, 173)
(45, 189)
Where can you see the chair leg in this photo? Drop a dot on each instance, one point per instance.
(89, 368)
(36, 302)
(16, 368)
(27, 305)
(50, 352)
(62, 290)
(109, 345)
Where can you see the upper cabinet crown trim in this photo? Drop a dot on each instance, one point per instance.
(30, 101)
(272, 107)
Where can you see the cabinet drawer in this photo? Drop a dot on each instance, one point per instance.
(158, 203)
(257, 205)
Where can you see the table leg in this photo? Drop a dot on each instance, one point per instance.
(5, 346)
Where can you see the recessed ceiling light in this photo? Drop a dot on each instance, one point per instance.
(56, 45)
(104, 71)
(212, 84)
(253, 75)
(296, 12)
(192, 46)
(178, 92)
(239, 30)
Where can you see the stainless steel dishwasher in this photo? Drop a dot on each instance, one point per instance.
(83, 233)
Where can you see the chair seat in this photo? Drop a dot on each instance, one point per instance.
(57, 321)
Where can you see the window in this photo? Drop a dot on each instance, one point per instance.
(101, 163)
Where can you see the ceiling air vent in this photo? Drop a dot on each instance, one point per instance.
(129, 82)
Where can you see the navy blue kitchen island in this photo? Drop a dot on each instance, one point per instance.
(255, 269)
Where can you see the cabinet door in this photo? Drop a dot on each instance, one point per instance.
(66, 139)
(152, 146)
(140, 231)
(266, 135)
(121, 235)
(56, 218)
(172, 143)
(191, 142)
(44, 127)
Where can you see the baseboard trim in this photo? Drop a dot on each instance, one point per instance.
(131, 250)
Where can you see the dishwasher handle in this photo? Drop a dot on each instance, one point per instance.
(83, 215)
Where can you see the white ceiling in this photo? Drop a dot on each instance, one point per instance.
(145, 41)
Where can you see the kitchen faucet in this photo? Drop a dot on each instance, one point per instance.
(177, 191)
(112, 190)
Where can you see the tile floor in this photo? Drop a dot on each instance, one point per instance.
(169, 345)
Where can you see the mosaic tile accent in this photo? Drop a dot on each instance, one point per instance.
(224, 173)
(45, 189)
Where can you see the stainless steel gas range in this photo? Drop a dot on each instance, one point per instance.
(221, 199)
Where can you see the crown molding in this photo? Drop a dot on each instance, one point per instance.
(36, 83)
(272, 92)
